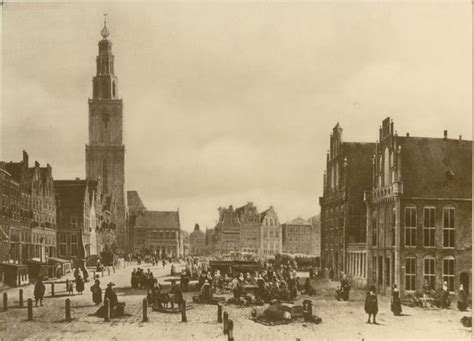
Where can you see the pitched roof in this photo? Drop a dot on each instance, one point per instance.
(134, 201)
(15, 169)
(436, 167)
(359, 158)
(158, 220)
(70, 192)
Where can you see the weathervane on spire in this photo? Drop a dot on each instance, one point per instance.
(105, 32)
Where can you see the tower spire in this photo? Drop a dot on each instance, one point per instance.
(105, 32)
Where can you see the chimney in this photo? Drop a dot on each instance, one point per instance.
(77, 179)
(460, 137)
(445, 134)
(408, 134)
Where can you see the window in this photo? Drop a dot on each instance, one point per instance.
(448, 227)
(448, 272)
(62, 249)
(410, 273)
(410, 226)
(73, 222)
(429, 271)
(73, 245)
(374, 230)
(429, 214)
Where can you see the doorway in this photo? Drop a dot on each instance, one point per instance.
(464, 280)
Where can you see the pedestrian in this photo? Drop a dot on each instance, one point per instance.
(96, 292)
(445, 301)
(396, 305)
(79, 284)
(426, 292)
(462, 299)
(371, 304)
(39, 291)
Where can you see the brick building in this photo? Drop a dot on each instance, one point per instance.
(270, 233)
(135, 207)
(32, 219)
(299, 236)
(343, 212)
(249, 228)
(197, 241)
(420, 212)
(10, 204)
(227, 230)
(105, 152)
(78, 224)
(158, 231)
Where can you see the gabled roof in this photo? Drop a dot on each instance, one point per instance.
(359, 159)
(158, 220)
(436, 167)
(134, 201)
(71, 193)
(15, 169)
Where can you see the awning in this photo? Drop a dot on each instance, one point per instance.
(58, 260)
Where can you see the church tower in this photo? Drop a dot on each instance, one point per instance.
(105, 153)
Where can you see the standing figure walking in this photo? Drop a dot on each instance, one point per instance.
(371, 304)
(39, 291)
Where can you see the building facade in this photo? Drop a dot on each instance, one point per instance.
(419, 213)
(270, 233)
(316, 236)
(31, 219)
(299, 236)
(135, 208)
(197, 240)
(343, 212)
(227, 230)
(158, 232)
(249, 228)
(78, 228)
(105, 152)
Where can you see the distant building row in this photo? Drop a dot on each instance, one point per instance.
(155, 233)
(398, 211)
(246, 230)
(42, 217)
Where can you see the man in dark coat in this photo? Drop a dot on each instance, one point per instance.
(96, 292)
(39, 291)
(111, 295)
(371, 304)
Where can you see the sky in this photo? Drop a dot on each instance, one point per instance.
(230, 102)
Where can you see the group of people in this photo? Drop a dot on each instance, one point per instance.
(273, 283)
(143, 280)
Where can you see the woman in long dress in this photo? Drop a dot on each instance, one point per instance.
(462, 299)
(396, 305)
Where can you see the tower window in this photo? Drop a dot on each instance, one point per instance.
(113, 89)
(106, 118)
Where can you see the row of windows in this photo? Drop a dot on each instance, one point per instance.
(429, 273)
(429, 226)
(411, 224)
(271, 234)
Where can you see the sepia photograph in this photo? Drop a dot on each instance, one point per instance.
(236, 170)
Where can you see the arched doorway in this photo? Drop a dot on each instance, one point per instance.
(464, 280)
